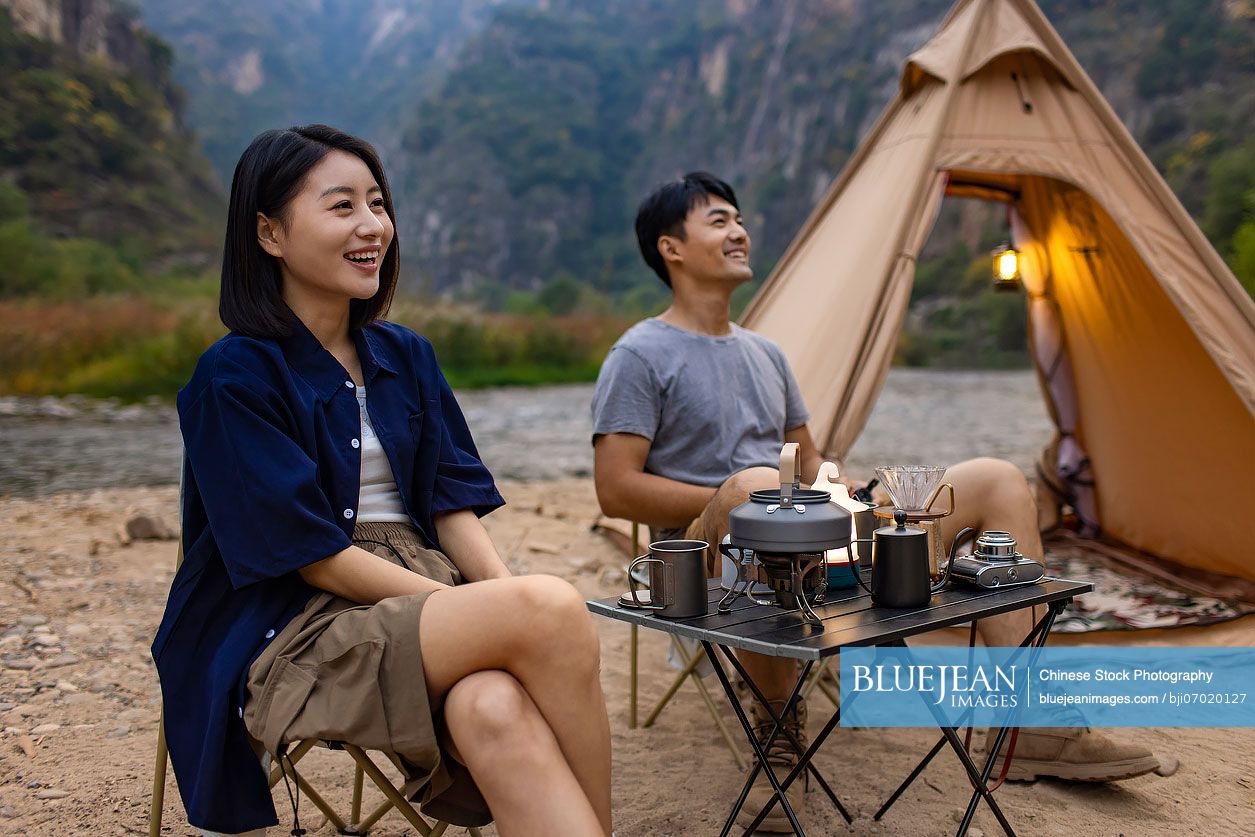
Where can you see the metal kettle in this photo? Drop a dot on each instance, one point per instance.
(900, 574)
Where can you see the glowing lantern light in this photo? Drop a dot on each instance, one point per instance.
(1006, 267)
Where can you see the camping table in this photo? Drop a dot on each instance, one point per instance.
(849, 619)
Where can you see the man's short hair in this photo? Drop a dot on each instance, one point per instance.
(664, 211)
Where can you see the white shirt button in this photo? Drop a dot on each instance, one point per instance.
(355, 443)
(270, 633)
(348, 384)
(348, 514)
(240, 712)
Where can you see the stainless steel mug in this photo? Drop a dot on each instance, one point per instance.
(677, 579)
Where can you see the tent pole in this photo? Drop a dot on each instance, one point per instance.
(861, 150)
(922, 180)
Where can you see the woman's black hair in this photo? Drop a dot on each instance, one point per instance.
(664, 211)
(270, 173)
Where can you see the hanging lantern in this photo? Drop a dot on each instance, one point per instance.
(1006, 267)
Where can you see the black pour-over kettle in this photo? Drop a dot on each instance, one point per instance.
(900, 575)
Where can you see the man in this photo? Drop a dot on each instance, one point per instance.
(689, 415)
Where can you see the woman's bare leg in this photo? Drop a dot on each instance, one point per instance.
(537, 629)
(502, 736)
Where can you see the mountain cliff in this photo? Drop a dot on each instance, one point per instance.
(528, 161)
(361, 65)
(92, 141)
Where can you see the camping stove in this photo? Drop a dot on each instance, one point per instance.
(788, 530)
(797, 580)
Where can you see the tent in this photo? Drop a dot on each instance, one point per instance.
(1143, 340)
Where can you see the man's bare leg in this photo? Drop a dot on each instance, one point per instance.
(993, 494)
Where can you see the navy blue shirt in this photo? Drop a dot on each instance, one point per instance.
(271, 431)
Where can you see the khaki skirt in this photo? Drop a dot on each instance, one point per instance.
(341, 671)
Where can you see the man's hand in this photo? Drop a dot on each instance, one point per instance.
(625, 490)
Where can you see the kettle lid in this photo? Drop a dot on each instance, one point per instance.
(900, 529)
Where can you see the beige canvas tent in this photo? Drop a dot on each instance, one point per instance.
(1143, 339)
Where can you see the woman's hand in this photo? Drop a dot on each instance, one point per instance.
(465, 540)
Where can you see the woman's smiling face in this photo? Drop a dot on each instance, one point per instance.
(335, 231)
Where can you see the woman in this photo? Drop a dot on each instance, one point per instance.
(337, 580)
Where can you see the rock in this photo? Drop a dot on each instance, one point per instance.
(45, 640)
(27, 746)
(32, 619)
(10, 643)
(975, 832)
(79, 629)
(44, 729)
(66, 686)
(63, 660)
(25, 710)
(5, 707)
(52, 793)
(119, 731)
(6, 813)
(148, 527)
(612, 577)
(545, 548)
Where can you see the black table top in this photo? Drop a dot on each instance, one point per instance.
(849, 618)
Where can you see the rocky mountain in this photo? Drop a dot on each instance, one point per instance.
(361, 65)
(527, 162)
(92, 139)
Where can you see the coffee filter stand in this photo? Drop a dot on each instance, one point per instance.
(927, 514)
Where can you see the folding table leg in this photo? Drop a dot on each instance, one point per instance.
(803, 764)
(979, 778)
(780, 728)
(759, 753)
(632, 678)
(1036, 639)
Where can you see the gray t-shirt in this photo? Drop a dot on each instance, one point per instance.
(711, 406)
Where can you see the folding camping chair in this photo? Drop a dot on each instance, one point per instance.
(396, 797)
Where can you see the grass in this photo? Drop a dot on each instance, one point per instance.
(133, 347)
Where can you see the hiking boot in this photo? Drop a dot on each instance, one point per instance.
(1075, 753)
(782, 758)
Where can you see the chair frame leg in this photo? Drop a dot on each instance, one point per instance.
(690, 671)
(385, 786)
(157, 806)
(634, 649)
(304, 787)
(355, 811)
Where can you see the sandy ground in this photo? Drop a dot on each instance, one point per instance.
(79, 702)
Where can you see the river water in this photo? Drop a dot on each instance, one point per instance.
(54, 445)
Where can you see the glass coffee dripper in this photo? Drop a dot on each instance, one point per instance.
(914, 489)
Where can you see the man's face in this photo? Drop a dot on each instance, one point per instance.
(716, 245)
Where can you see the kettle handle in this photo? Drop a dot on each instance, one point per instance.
(790, 471)
(954, 546)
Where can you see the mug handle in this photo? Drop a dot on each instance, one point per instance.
(644, 559)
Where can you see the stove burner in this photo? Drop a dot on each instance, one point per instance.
(796, 579)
